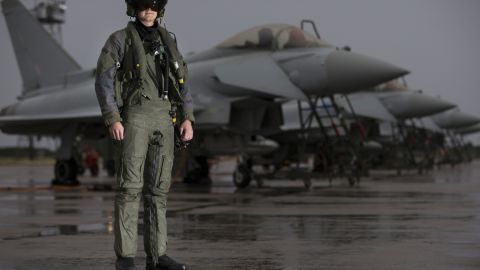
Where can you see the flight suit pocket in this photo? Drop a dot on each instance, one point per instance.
(160, 170)
(130, 172)
(159, 167)
(134, 98)
(165, 174)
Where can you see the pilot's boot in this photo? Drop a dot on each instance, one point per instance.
(125, 264)
(165, 263)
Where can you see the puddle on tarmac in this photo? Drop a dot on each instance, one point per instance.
(63, 230)
(338, 229)
(360, 194)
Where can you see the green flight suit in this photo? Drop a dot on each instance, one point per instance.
(144, 158)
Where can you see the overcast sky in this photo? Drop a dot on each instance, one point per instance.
(438, 40)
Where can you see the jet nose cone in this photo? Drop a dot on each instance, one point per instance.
(468, 130)
(410, 104)
(455, 119)
(348, 72)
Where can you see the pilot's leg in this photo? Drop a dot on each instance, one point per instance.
(157, 175)
(131, 157)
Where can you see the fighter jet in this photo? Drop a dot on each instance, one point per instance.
(418, 145)
(455, 125)
(454, 119)
(403, 136)
(340, 136)
(238, 87)
(468, 130)
(399, 100)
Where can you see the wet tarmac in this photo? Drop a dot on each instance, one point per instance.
(408, 222)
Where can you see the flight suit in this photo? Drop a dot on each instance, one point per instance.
(144, 158)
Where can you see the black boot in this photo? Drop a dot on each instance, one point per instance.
(125, 264)
(165, 263)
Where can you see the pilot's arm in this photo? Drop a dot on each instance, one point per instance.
(186, 129)
(110, 57)
(187, 107)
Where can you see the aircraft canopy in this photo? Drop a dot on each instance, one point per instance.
(273, 37)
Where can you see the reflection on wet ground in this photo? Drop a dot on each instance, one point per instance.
(407, 222)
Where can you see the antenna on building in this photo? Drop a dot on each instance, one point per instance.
(51, 13)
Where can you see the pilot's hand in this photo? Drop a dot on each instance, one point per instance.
(186, 131)
(116, 131)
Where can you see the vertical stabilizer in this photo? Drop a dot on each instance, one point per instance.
(42, 61)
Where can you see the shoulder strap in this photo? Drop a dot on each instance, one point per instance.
(176, 59)
(139, 64)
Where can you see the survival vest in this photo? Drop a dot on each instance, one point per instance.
(132, 72)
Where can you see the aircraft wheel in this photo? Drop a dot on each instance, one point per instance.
(242, 176)
(66, 172)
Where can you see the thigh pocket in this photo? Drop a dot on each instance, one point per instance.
(159, 171)
(165, 173)
(130, 172)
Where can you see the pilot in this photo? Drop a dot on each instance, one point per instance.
(140, 86)
(296, 39)
(265, 38)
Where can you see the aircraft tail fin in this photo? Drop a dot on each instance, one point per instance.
(41, 59)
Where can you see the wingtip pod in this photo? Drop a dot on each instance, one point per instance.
(348, 71)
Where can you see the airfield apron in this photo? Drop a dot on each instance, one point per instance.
(145, 159)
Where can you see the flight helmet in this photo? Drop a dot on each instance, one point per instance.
(133, 6)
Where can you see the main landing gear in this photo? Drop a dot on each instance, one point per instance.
(243, 174)
(66, 171)
(67, 166)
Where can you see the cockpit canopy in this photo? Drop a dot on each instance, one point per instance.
(273, 37)
(393, 85)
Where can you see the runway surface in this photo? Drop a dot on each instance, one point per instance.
(408, 222)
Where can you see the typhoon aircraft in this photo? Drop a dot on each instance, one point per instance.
(406, 144)
(238, 88)
(345, 138)
(416, 131)
(455, 125)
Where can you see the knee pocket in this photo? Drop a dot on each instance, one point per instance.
(128, 194)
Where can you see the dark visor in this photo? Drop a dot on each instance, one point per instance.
(155, 5)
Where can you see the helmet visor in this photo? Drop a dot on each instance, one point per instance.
(155, 5)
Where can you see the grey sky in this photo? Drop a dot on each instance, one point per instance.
(438, 40)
